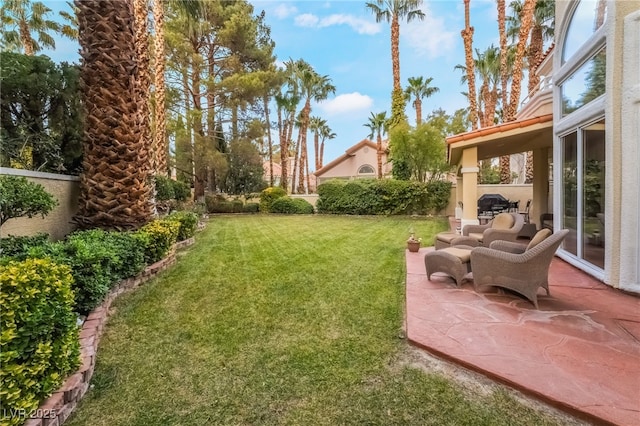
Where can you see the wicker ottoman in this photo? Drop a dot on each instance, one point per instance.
(443, 239)
(453, 261)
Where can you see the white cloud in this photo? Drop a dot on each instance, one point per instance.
(346, 103)
(429, 37)
(359, 25)
(283, 10)
(306, 20)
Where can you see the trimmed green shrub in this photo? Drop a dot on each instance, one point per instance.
(188, 223)
(218, 204)
(385, 196)
(39, 343)
(251, 208)
(268, 196)
(290, 205)
(159, 235)
(98, 260)
(20, 197)
(17, 247)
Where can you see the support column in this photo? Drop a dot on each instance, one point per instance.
(540, 203)
(470, 186)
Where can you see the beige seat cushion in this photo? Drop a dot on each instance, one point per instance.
(540, 236)
(447, 236)
(462, 254)
(476, 235)
(503, 221)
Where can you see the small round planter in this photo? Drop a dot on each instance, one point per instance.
(413, 246)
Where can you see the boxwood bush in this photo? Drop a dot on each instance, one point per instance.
(188, 223)
(290, 205)
(268, 196)
(385, 196)
(39, 340)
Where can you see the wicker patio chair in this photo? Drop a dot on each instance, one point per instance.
(505, 226)
(508, 265)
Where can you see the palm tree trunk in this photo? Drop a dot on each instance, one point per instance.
(379, 149)
(534, 55)
(160, 139)
(296, 162)
(284, 152)
(505, 169)
(321, 155)
(418, 105)
(528, 173)
(467, 38)
(269, 142)
(303, 144)
(395, 52)
(115, 189)
(143, 75)
(25, 37)
(504, 75)
(316, 143)
(516, 82)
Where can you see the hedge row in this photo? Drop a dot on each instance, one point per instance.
(386, 196)
(288, 205)
(219, 204)
(99, 259)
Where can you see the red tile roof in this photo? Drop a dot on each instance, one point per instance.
(499, 128)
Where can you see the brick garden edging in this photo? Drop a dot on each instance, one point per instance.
(55, 410)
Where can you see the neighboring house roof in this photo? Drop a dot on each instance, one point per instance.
(544, 55)
(348, 153)
(277, 169)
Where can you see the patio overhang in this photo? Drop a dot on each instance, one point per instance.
(504, 139)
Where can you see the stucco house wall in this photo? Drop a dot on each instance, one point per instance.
(348, 165)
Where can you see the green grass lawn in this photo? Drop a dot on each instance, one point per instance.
(279, 320)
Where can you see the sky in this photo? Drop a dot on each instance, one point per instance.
(341, 39)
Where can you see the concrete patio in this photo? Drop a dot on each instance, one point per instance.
(580, 352)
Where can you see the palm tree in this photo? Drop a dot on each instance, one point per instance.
(378, 125)
(325, 134)
(20, 18)
(467, 38)
(315, 125)
(419, 88)
(394, 11)
(313, 87)
(115, 188)
(143, 76)
(286, 105)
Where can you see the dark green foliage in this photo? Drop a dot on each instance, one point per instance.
(219, 204)
(290, 205)
(438, 195)
(17, 247)
(159, 236)
(98, 260)
(40, 121)
(164, 189)
(188, 223)
(268, 196)
(387, 196)
(39, 341)
(20, 197)
(251, 208)
(245, 173)
(181, 190)
(169, 189)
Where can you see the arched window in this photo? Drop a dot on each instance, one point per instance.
(579, 125)
(366, 170)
